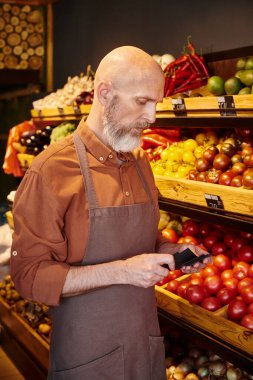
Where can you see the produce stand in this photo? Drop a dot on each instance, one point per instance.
(186, 198)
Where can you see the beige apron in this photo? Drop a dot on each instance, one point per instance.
(111, 333)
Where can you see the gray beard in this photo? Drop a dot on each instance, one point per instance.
(121, 138)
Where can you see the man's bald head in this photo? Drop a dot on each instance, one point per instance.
(125, 64)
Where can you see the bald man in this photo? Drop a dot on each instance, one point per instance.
(86, 240)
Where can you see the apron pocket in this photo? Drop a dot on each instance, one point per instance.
(157, 358)
(107, 367)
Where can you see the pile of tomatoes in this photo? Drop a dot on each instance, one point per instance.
(227, 281)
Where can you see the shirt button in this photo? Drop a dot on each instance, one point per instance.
(101, 158)
(110, 156)
(127, 193)
(14, 253)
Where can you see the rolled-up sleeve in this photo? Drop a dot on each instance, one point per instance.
(39, 248)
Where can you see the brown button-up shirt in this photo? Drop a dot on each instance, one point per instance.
(51, 211)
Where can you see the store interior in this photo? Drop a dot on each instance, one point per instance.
(200, 342)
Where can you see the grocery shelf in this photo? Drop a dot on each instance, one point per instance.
(230, 199)
(29, 339)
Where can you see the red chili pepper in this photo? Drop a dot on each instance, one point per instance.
(166, 84)
(201, 64)
(198, 82)
(179, 61)
(153, 140)
(190, 46)
(171, 85)
(167, 132)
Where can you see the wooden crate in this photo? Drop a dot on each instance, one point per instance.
(215, 323)
(61, 114)
(234, 199)
(25, 335)
(207, 106)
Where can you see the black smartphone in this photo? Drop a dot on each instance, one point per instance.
(187, 258)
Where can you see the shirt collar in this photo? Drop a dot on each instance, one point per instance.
(97, 148)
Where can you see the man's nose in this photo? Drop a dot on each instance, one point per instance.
(151, 113)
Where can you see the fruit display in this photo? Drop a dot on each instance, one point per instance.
(185, 73)
(34, 314)
(208, 157)
(241, 83)
(78, 90)
(227, 281)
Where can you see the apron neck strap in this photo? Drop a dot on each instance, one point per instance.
(84, 166)
(143, 180)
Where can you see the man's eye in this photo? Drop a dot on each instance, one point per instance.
(141, 102)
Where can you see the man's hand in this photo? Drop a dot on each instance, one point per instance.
(146, 270)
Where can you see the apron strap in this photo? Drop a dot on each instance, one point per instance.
(143, 180)
(85, 170)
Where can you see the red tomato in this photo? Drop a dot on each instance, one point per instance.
(197, 275)
(246, 253)
(246, 235)
(240, 270)
(219, 248)
(181, 289)
(209, 241)
(229, 238)
(172, 286)
(190, 228)
(236, 310)
(247, 294)
(226, 295)
(226, 274)
(195, 294)
(222, 262)
(213, 284)
(173, 274)
(238, 243)
(247, 321)
(211, 303)
(250, 308)
(170, 234)
(188, 240)
(210, 270)
(204, 229)
(231, 283)
(244, 282)
(250, 271)
(196, 281)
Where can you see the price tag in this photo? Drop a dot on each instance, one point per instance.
(179, 107)
(77, 110)
(61, 112)
(226, 105)
(213, 201)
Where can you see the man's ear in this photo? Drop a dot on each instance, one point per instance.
(104, 92)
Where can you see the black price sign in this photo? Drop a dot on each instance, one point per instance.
(179, 107)
(214, 201)
(226, 105)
